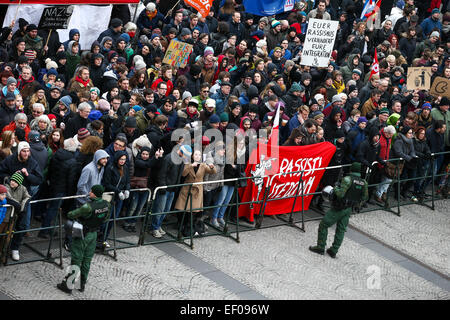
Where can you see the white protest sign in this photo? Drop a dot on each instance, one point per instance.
(319, 42)
(89, 20)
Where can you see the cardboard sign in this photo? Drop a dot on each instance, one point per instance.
(55, 17)
(419, 78)
(177, 54)
(440, 87)
(319, 42)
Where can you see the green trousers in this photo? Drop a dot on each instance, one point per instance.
(82, 252)
(341, 218)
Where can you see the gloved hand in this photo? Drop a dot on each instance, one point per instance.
(121, 196)
(126, 193)
(383, 163)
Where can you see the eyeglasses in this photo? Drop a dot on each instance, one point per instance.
(163, 88)
(205, 91)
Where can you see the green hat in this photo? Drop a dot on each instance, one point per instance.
(356, 167)
(224, 117)
(384, 110)
(98, 190)
(17, 177)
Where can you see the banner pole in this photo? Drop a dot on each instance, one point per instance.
(172, 8)
(48, 37)
(17, 10)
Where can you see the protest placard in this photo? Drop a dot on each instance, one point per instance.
(440, 87)
(319, 42)
(55, 17)
(419, 78)
(177, 54)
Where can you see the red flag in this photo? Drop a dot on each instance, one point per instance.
(375, 66)
(202, 6)
(272, 163)
(374, 11)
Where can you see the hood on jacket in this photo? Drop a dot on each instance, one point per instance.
(73, 32)
(99, 154)
(242, 122)
(334, 111)
(118, 155)
(393, 119)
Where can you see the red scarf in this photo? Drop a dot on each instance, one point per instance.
(84, 83)
(191, 115)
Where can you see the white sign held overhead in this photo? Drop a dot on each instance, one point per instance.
(319, 42)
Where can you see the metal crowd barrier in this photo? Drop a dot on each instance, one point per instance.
(146, 214)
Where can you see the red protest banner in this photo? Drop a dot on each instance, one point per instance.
(286, 159)
(202, 6)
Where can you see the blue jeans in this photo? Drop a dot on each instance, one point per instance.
(137, 202)
(33, 191)
(162, 203)
(224, 199)
(108, 225)
(422, 170)
(52, 211)
(437, 165)
(383, 186)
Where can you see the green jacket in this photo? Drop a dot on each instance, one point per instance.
(437, 114)
(346, 183)
(84, 211)
(142, 121)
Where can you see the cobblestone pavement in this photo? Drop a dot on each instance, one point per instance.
(270, 263)
(419, 232)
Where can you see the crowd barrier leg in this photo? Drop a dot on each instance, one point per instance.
(236, 204)
(180, 236)
(8, 236)
(260, 217)
(52, 233)
(432, 181)
(105, 251)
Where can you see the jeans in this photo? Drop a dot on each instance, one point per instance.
(162, 203)
(137, 201)
(383, 186)
(108, 225)
(422, 170)
(52, 211)
(224, 199)
(33, 192)
(437, 165)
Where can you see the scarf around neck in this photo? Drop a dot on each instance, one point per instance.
(84, 83)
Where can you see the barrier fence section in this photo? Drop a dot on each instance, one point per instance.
(232, 224)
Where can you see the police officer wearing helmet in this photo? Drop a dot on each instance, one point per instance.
(91, 215)
(351, 191)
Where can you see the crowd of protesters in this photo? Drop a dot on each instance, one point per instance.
(73, 118)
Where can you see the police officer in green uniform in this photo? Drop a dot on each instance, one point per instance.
(351, 191)
(91, 215)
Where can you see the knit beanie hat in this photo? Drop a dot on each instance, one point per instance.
(11, 80)
(95, 115)
(405, 130)
(83, 133)
(214, 119)
(17, 177)
(356, 167)
(3, 189)
(275, 23)
(426, 105)
(185, 95)
(186, 150)
(384, 110)
(339, 134)
(210, 103)
(116, 22)
(130, 122)
(224, 117)
(22, 145)
(98, 190)
(362, 119)
(140, 64)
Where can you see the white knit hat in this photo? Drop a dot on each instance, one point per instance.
(22, 145)
(261, 43)
(151, 7)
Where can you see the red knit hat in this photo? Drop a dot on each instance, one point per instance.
(3, 189)
(83, 133)
(51, 116)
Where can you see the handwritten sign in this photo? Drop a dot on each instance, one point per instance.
(55, 17)
(419, 78)
(319, 42)
(440, 87)
(177, 54)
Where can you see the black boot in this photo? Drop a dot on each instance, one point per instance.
(63, 287)
(317, 250)
(331, 253)
(82, 286)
